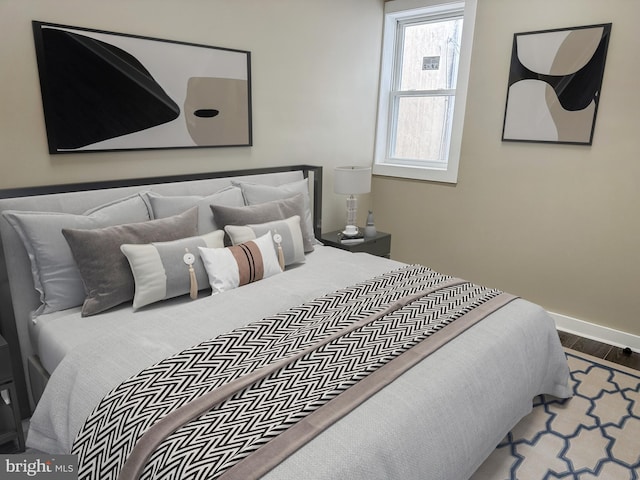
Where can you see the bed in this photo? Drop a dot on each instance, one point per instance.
(437, 416)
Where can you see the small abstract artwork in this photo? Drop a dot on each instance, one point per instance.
(554, 84)
(104, 91)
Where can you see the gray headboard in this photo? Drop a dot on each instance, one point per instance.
(18, 296)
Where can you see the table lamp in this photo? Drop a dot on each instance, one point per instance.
(352, 181)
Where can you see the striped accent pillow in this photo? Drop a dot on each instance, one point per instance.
(249, 260)
(232, 267)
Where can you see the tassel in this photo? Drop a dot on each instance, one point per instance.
(280, 257)
(189, 259)
(277, 238)
(193, 291)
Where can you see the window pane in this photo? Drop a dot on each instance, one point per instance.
(423, 128)
(430, 55)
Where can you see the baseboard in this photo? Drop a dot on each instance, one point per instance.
(596, 332)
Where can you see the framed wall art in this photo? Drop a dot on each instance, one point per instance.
(104, 91)
(554, 84)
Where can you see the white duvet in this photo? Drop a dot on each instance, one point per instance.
(440, 420)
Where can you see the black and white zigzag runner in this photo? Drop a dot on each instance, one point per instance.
(230, 431)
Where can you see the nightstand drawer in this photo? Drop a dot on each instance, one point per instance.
(10, 423)
(6, 375)
(377, 246)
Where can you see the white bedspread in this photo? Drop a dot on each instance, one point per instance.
(439, 420)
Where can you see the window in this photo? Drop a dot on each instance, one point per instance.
(423, 82)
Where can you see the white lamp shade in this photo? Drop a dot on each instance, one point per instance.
(352, 180)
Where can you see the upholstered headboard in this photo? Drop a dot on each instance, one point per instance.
(18, 296)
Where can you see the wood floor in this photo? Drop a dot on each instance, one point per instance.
(600, 350)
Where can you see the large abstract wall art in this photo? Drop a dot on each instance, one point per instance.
(110, 91)
(554, 84)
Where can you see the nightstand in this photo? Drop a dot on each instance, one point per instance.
(10, 422)
(379, 245)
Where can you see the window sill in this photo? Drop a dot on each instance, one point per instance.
(416, 173)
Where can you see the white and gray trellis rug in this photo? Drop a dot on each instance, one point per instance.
(594, 434)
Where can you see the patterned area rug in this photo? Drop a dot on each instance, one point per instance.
(594, 434)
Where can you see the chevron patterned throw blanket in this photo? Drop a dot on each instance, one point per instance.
(232, 407)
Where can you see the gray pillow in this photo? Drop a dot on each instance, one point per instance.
(104, 269)
(261, 213)
(167, 206)
(289, 231)
(55, 274)
(159, 270)
(256, 193)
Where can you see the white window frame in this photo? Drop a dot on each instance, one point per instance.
(397, 11)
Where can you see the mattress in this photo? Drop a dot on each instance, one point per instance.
(326, 269)
(438, 420)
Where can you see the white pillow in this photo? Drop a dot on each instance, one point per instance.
(232, 267)
(289, 231)
(168, 206)
(159, 271)
(55, 274)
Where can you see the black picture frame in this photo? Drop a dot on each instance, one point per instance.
(555, 80)
(107, 91)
